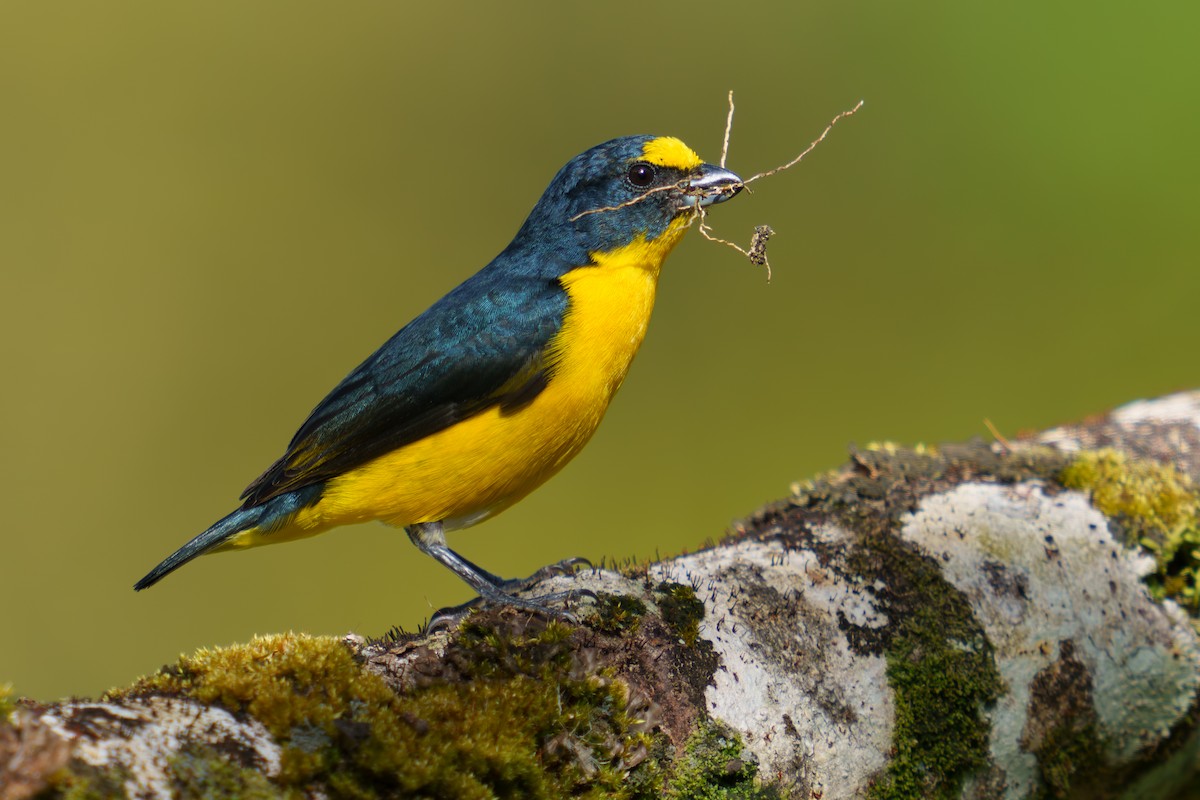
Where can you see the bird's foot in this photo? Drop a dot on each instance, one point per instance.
(568, 566)
(452, 616)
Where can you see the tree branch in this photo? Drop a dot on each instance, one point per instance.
(978, 621)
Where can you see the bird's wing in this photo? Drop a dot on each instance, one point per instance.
(479, 346)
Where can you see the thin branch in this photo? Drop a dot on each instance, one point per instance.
(641, 197)
(999, 437)
(758, 244)
(808, 149)
(728, 128)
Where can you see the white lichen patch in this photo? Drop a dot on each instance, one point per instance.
(817, 716)
(1039, 570)
(142, 736)
(1132, 423)
(1183, 407)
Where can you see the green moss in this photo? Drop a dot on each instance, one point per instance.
(515, 724)
(1062, 730)
(716, 765)
(895, 448)
(291, 683)
(1069, 753)
(885, 478)
(942, 672)
(648, 781)
(495, 651)
(1157, 506)
(630, 567)
(616, 614)
(681, 610)
(204, 774)
(86, 783)
(6, 702)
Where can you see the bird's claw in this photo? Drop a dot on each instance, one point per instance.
(568, 566)
(445, 619)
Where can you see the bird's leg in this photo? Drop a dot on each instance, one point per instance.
(430, 538)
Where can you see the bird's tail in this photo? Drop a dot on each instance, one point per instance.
(267, 518)
(221, 531)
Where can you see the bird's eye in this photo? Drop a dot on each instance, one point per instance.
(641, 175)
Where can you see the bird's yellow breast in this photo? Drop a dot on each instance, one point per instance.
(482, 465)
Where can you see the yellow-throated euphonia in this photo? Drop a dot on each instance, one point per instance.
(491, 391)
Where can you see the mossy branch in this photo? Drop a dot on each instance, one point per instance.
(971, 620)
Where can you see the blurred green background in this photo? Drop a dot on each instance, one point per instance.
(210, 212)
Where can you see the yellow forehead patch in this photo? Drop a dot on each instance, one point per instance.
(667, 151)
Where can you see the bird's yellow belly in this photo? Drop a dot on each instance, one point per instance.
(473, 469)
(480, 466)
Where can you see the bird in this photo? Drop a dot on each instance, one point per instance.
(492, 390)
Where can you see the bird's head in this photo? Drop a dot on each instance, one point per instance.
(635, 187)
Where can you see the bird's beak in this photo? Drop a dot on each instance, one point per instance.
(710, 185)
